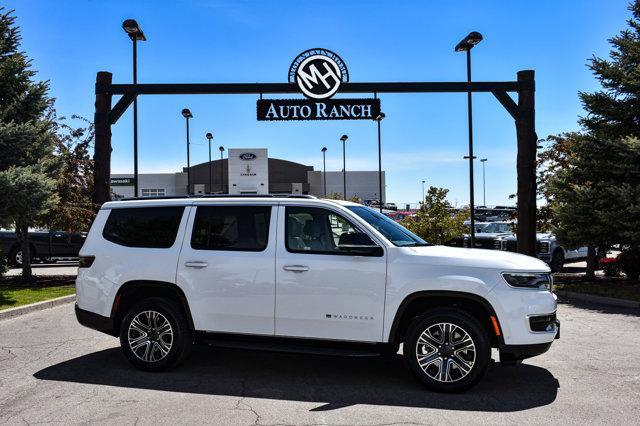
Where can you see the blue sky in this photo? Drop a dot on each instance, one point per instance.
(424, 135)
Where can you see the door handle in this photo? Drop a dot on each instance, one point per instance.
(195, 264)
(295, 268)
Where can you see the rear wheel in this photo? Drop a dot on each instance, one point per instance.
(447, 350)
(154, 335)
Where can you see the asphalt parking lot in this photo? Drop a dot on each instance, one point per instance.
(54, 370)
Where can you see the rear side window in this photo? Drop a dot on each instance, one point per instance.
(152, 227)
(243, 228)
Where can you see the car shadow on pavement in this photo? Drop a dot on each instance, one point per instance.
(335, 381)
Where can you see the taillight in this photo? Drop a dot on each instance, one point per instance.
(85, 261)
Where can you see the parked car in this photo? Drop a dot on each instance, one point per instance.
(390, 206)
(485, 235)
(548, 250)
(298, 273)
(45, 245)
(401, 215)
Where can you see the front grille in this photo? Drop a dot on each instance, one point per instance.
(543, 247)
(484, 243)
(542, 322)
(512, 245)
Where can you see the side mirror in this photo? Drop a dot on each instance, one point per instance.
(359, 244)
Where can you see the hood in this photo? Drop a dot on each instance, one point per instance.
(478, 258)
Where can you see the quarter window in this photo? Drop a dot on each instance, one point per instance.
(152, 227)
(243, 228)
(319, 231)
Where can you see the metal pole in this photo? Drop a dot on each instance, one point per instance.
(135, 117)
(379, 166)
(484, 186)
(422, 202)
(324, 171)
(344, 171)
(472, 234)
(188, 162)
(210, 171)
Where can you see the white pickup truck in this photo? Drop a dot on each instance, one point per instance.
(548, 250)
(307, 275)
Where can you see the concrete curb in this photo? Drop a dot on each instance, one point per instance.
(39, 306)
(599, 299)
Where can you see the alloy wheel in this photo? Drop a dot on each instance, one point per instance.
(150, 336)
(445, 352)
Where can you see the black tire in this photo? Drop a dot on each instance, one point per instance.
(474, 359)
(14, 255)
(557, 261)
(180, 342)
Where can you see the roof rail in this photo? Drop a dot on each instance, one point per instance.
(182, 197)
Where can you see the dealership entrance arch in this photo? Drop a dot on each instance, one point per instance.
(521, 110)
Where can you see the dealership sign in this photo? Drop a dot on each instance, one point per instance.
(318, 74)
(121, 181)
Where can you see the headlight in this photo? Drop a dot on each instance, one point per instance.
(529, 280)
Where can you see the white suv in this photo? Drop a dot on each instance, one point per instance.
(303, 274)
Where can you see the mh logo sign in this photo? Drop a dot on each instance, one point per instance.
(318, 73)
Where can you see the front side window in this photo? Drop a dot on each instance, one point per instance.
(394, 232)
(243, 228)
(320, 231)
(151, 227)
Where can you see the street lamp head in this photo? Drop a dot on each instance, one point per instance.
(221, 148)
(324, 149)
(131, 27)
(186, 113)
(469, 41)
(483, 159)
(344, 138)
(209, 136)
(380, 116)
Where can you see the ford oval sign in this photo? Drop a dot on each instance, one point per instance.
(247, 156)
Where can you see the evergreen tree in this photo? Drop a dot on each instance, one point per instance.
(26, 140)
(596, 193)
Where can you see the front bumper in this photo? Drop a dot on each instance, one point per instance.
(95, 321)
(513, 354)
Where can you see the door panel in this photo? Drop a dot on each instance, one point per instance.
(321, 291)
(226, 268)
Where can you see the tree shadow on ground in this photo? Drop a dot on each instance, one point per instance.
(336, 382)
(599, 307)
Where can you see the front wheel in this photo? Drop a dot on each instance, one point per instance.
(154, 335)
(447, 350)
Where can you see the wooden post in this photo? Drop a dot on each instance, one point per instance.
(526, 165)
(102, 150)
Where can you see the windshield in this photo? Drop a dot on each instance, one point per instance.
(397, 234)
(494, 228)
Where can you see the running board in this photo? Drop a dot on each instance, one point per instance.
(300, 346)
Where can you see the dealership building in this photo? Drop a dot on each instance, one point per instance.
(250, 171)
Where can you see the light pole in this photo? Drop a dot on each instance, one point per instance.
(484, 188)
(466, 45)
(324, 169)
(135, 33)
(187, 115)
(209, 136)
(221, 149)
(344, 138)
(422, 202)
(379, 118)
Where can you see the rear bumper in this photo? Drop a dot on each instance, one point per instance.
(95, 321)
